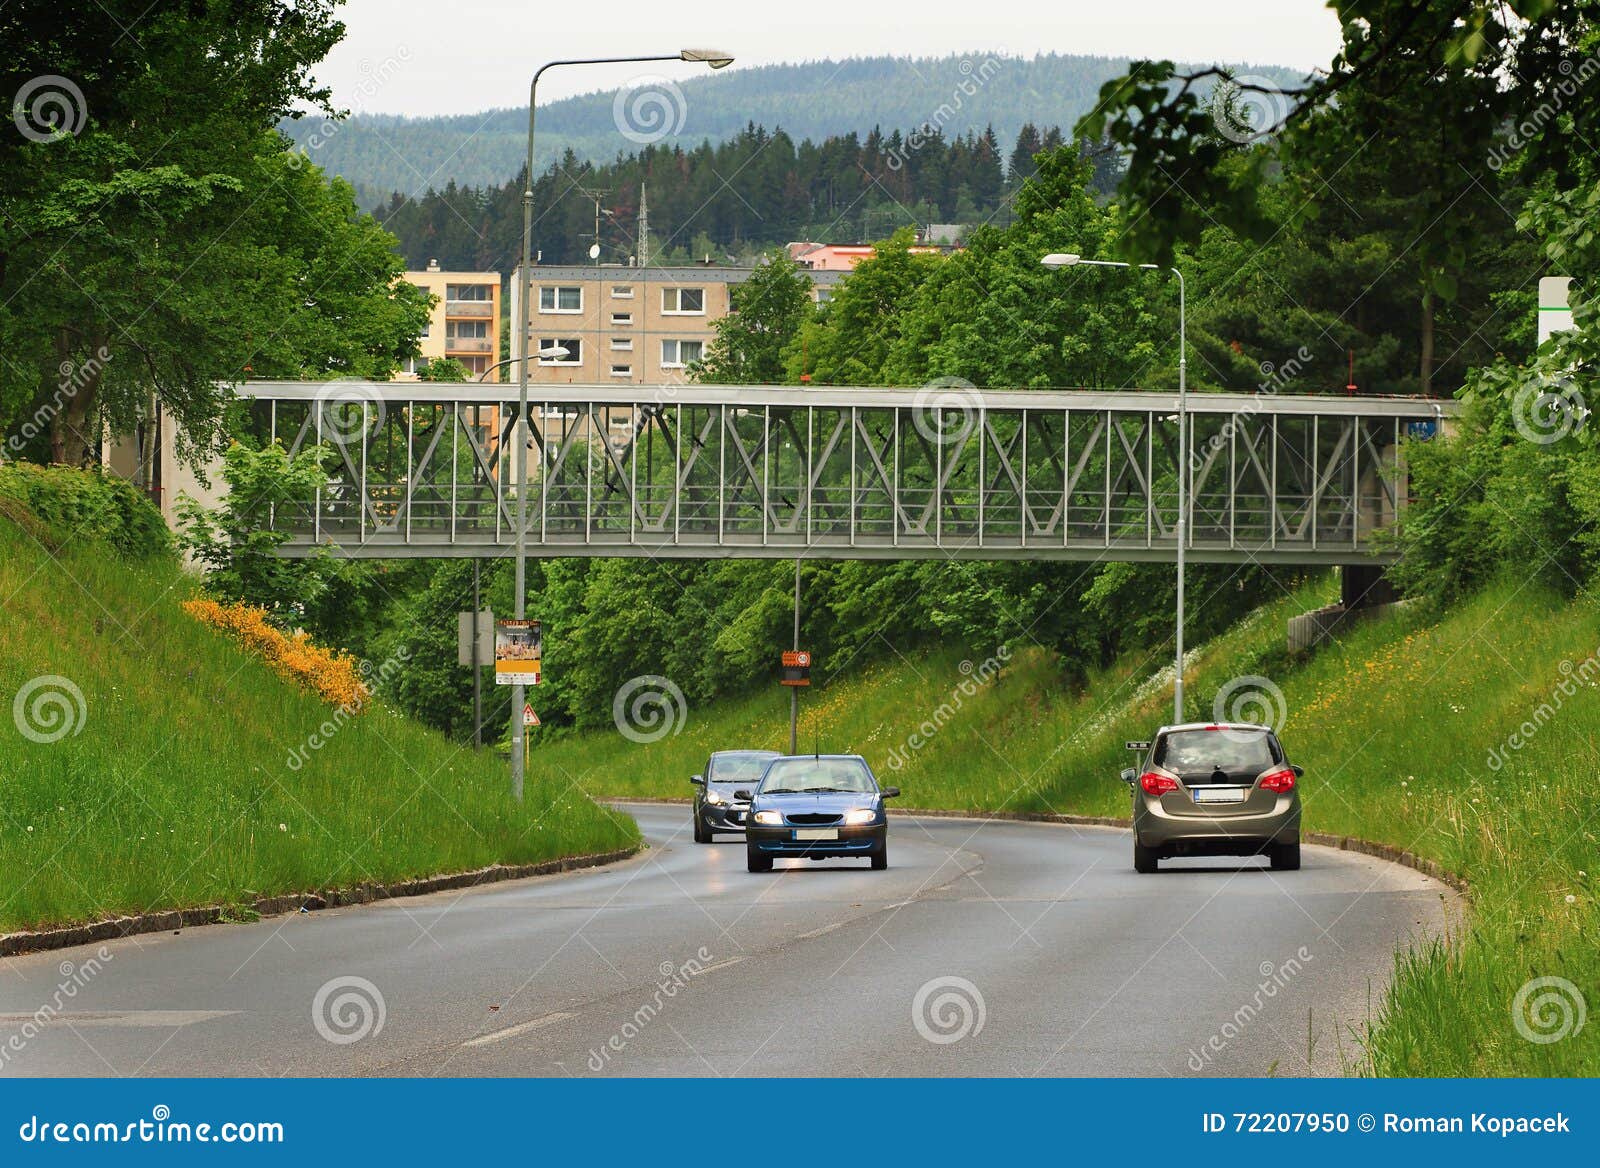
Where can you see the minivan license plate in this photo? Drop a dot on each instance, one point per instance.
(1219, 794)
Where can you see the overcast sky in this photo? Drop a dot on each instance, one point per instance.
(424, 57)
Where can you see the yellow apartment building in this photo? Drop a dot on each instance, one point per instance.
(465, 322)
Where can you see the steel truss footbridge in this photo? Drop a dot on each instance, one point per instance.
(947, 471)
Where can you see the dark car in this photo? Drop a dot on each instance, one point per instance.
(1206, 789)
(817, 806)
(717, 806)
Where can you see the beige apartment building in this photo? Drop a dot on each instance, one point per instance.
(627, 325)
(465, 322)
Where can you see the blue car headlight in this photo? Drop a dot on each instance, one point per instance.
(769, 818)
(861, 815)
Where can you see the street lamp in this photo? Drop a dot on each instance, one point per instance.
(716, 60)
(1067, 259)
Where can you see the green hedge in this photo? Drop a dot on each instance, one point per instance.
(58, 505)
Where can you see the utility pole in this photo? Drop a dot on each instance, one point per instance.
(477, 669)
(794, 690)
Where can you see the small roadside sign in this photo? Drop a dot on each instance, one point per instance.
(529, 718)
(518, 649)
(485, 637)
(796, 668)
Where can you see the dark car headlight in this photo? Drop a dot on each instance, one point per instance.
(713, 797)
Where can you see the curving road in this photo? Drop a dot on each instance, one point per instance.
(987, 948)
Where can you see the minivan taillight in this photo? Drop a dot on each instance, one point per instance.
(1155, 784)
(1279, 781)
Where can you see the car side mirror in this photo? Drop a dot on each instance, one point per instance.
(1299, 771)
(698, 780)
(1128, 775)
(742, 795)
(889, 792)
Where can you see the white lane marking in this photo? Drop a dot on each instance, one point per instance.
(519, 1029)
(819, 932)
(126, 1018)
(719, 965)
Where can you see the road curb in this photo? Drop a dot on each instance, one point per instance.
(1343, 843)
(13, 944)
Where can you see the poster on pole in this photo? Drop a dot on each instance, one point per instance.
(518, 647)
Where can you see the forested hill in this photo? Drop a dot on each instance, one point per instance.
(755, 190)
(380, 154)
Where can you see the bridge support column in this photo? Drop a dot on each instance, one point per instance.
(1364, 586)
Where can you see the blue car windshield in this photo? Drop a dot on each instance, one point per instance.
(738, 768)
(801, 775)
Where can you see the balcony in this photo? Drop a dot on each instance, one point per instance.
(469, 344)
(468, 308)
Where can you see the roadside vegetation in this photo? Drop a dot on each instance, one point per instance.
(148, 762)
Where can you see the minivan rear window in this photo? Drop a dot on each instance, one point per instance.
(1205, 750)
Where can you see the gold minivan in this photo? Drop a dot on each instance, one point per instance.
(1214, 789)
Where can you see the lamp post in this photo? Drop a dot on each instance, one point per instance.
(1072, 259)
(716, 60)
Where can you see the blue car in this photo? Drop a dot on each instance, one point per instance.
(817, 807)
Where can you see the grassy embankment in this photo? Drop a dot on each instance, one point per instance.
(1395, 725)
(174, 786)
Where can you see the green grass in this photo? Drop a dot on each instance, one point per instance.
(1395, 726)
(176, 788)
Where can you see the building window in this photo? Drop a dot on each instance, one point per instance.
(824, 295)
(466, 328)
(475, 364)
(622, 291)
(466, 292)
(622, 344)
(683, 301)
(622, 371)
(560, 299)
(621, 318)
(677, 354)
(572, 345)
(427, 328)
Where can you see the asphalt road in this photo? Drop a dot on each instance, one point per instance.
(992, 948)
